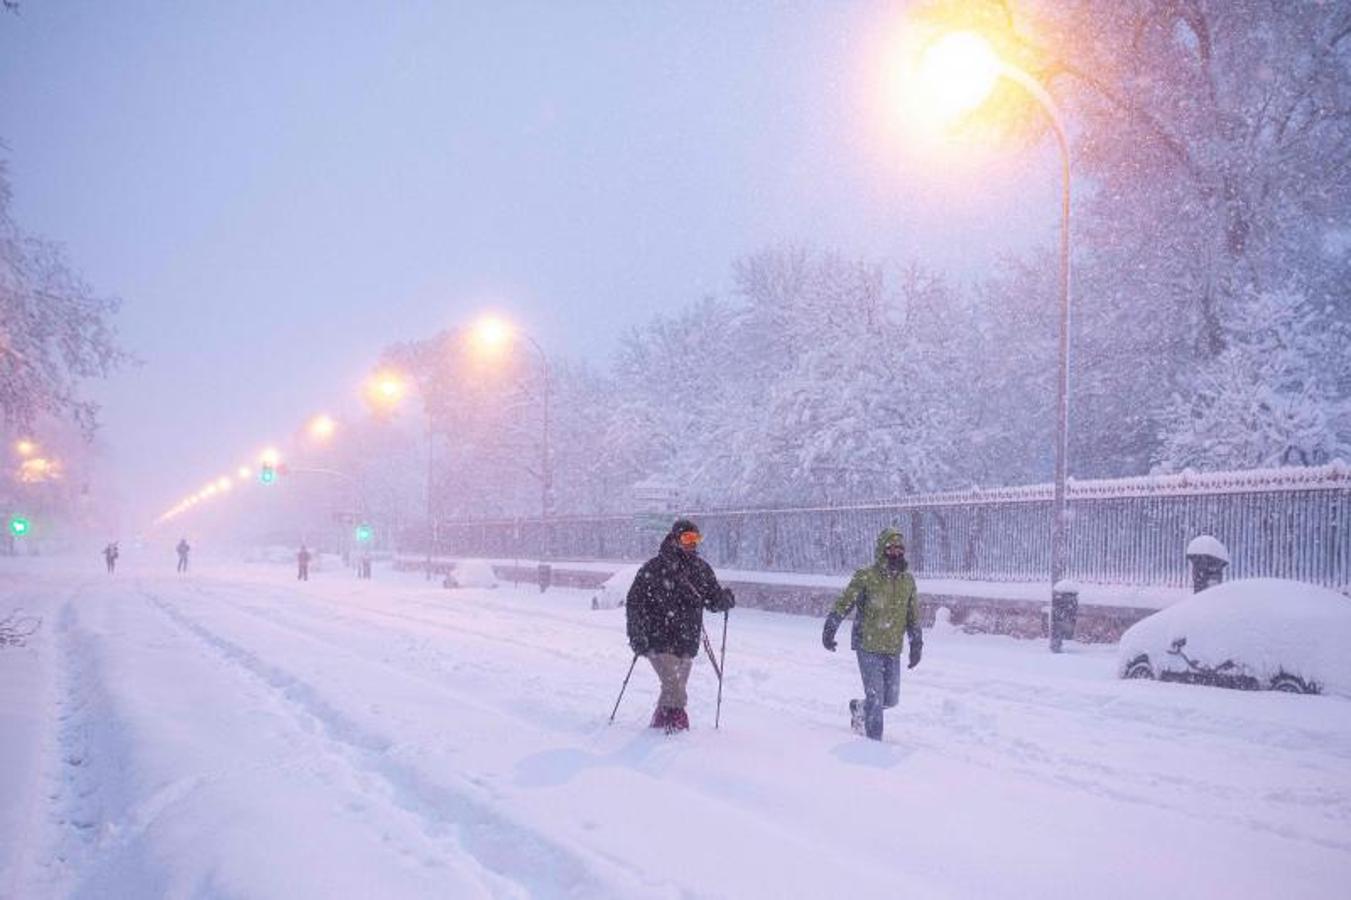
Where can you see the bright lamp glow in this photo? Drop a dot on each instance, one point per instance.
(322, 427)
(386, 389)
(491, 333)
(957, 72)
(269, 457)
(244, 472)
(25, 448)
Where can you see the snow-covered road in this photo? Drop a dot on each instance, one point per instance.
(233, 733)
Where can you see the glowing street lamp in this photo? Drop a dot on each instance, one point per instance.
(385, 390)
(490, 334)
(957, 73)
(322, 427)
(270, 457)
(244, 473)
(25, 448)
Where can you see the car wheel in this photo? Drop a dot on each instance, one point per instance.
(1292, 684)
(1139, 667)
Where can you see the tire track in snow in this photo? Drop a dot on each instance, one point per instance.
(535, 864)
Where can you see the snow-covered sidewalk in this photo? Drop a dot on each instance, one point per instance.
(234, 733)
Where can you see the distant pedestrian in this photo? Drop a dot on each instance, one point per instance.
(303, 564)
(110, 556)
(665, 610)
(885, 604)
(366, 565)
(183, 551)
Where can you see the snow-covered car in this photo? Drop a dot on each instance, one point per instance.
(472, 573)
(1251, 634)
(612, 593)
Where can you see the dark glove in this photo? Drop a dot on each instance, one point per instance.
(639, 645)
(726, 601)
(828, 632)
(916, 650)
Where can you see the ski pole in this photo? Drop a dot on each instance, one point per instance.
(722, 667)
(708, 648)
(623, 687)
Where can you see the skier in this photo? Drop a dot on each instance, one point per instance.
(183, 550)
(887, 610)
(110, 556)
(665, 610)
(303, 564)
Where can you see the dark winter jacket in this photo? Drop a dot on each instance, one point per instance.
(885, 604)
(667, 601)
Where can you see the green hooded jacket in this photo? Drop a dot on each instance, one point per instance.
(887, 602)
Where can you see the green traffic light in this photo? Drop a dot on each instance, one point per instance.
(267, 475)
(365, 533)
(18, 526)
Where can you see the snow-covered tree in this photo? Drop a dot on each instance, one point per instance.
(54, 331)
(1267, 400)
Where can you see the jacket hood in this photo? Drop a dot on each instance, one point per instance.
(887, 534)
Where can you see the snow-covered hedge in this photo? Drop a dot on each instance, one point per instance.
(474, 573)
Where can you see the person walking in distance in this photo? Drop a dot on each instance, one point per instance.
(110, 556)
(885, 604)
(303, 564)
(183, 550)
(665, 616)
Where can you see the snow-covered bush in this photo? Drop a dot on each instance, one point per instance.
(474, 573)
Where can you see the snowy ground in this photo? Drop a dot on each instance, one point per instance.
(235, 734)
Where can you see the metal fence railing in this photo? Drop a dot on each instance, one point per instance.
(1286, 523)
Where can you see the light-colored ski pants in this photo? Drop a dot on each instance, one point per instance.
(674, 672)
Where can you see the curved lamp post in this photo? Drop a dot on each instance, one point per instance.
(961, 68)
(491, 333)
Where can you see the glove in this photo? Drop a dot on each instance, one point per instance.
(916, 650)
(726, 602)
(828, 632)
(639, 646)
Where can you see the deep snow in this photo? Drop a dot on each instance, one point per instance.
(235, 733)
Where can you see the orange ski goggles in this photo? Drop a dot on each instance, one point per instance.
(690, 539)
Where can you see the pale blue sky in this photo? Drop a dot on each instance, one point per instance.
(279, 189)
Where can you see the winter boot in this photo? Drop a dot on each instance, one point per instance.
(679, 720)
(856, 721)
(662, 718)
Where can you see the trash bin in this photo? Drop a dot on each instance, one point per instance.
(1064, 613)
(546, 576)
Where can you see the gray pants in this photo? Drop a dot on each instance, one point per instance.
(881, 687)
(674, 672)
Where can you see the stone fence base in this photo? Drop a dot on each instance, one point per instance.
(974, 615)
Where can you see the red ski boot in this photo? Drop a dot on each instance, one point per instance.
(679, 721)
(661, 718)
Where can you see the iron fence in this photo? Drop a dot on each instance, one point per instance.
(1286, 523)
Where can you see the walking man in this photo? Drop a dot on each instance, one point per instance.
(303, 564)
(665, 610)
(183, 550)
(110, 556)
(886, 609)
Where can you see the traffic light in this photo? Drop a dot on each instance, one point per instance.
(19, 526)
(267, 474)
(365, 533)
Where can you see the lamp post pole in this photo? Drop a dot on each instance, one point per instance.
(1059, 518)
(546, 462)
(431, 528)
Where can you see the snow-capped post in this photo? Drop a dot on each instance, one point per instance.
(1064, 612)
(1208, 558)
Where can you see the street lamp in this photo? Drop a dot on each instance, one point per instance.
(490, 334)
(958, 71)
(321, 427)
